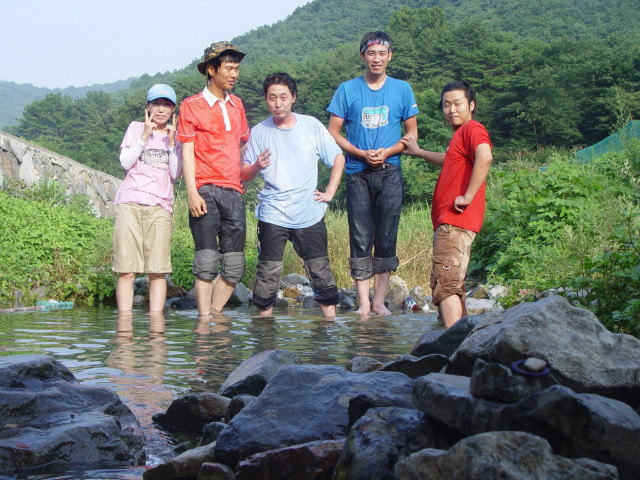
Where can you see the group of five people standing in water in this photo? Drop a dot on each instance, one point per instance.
(216, 151)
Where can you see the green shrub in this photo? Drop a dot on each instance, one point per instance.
(541, 221)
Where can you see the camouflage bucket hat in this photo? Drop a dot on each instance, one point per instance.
(216, 50)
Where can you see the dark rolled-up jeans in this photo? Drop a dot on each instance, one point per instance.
(374, 200)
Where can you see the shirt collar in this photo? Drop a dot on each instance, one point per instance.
(212, 99)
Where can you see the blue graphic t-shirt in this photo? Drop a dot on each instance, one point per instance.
(373, 118)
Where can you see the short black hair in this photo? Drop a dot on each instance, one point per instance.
(379, 37)
(280, 79)
(216, 62)
(468, 90)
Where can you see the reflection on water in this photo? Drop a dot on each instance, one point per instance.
(150, 360)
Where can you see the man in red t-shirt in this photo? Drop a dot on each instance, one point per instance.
(459, 198)
(213, 130)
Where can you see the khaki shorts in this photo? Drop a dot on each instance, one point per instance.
(141, 239)
(449, 261)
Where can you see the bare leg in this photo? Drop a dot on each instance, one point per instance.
(329, 311)
(266, 313)
(203, 325)
(380, 285)
(221, 293)
(450, 310)
(124, 291)
(363, 297)
(203, 289)
(157, 291)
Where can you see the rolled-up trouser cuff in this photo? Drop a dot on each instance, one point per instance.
(327, 296)
(233, 266)
(205, 264)
(267, 279)
(383, 265)
(263, 303)
(361, 267)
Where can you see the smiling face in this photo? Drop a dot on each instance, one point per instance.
(280, 102)
(457, 109)
(160, 110)
(376, 59)
(224, 77)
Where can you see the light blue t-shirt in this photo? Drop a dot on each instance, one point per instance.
(287, 197)
(373, 118)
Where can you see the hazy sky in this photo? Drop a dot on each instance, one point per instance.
(65, 43)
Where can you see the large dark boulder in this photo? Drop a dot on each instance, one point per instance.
(49, 419)
(500, 455)
(575, 424)
(584, 355)
(301, 404)
(416, 366)
(251, 376)
(382, 437)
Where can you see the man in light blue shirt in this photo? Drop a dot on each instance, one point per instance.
(285, 149)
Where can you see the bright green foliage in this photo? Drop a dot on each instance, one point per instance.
(612, 280)
(55, 244)
(541, 222)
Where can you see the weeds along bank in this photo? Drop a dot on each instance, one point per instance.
(50, 241)
(550, 223)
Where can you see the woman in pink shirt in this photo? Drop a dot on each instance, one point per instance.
(144, 202)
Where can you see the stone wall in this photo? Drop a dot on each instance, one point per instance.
(31, 163)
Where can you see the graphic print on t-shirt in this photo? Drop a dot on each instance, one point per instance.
(374, 117)
(151, 156)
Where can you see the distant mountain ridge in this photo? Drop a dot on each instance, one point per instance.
(14, 96)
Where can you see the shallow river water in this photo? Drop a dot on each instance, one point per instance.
(151, 361)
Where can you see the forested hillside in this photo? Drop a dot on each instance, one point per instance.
(326, 24)
(537, 87)
(14, 96)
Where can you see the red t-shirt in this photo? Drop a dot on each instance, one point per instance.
(216, 149)
(454, 180)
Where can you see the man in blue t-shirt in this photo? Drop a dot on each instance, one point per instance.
(285, 149)
(373, 108)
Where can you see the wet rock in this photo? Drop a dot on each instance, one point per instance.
(292, 291)
(215, 471)
(240, 295)
(309, 461)
(138, 300)
(184, 303)
(185, 465)
(575, 424)
(192, 413)
(142, 285)
(362, 403)
(50, 419)
(584, 355)
(211, 431)
(295, 279)
(503, 455)
(476, 307)
(252, 374)
(416, 366)
(238, 402)
(396, 293)
(445, 342)
(363, 364)
(496, 382)
(382, 437)
(347, 301)
(301, 404)
(419, 295)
